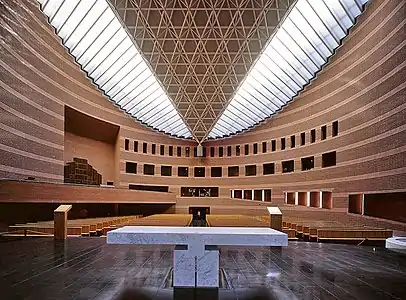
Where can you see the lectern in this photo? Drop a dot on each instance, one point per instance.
(61, 222)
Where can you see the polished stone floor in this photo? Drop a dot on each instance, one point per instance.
(87, 268)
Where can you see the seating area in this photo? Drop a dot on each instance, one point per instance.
(163, 220)
(243, 221)
(320, 230)
(77, 227)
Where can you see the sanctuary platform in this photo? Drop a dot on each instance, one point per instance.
(88, 268)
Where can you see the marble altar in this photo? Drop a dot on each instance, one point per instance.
(196, 255)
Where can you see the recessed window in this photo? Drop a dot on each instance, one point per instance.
(238, 150)
(195, 151)
(269, 168)
(229, 150)
(329, 159)
(126, 144)
(221, 152)
(283, 143)
(187, 152)
(179, 151)
(273, 145)
(211, 151)
(246, 149)
(251, 170)
(216, 171)
(255, 148)
(313, 136)
(204, 152)
(200, 171)
(233, 171)
(166, 171)
(183, 171)
(153, 149)
(170, 150)
(110, 183)
(248, 194)
(335, 128)
(323, 132)
(162, 150)
(288, 166)
(302, 138)
(149, 169)
(135, 146)
(258, 195)
(144, 147)
(238, 194)
(131, 167)
(292, 141)
(307, 163)
(263, 147)
(267, 195)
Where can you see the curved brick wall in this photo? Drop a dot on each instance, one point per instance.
(363, 88)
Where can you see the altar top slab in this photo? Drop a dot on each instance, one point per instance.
(226, 236)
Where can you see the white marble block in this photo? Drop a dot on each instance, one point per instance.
(184, 267)
(207, 268)
(196, 256)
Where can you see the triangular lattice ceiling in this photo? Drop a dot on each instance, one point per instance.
(201, 50)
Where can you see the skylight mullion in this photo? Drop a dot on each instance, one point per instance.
(274, 97)
(316, 65)
(155, 114)
(56, 11)
(119, 79)
(102, 38)
(231, 122)
(44, 4)
(283, 83)
(181, 131)
(100, 49)
(260, 90)
(283, 70)
(150, 106)
(72, 50)
(146, 99)
(306, 67)
(172, 125)
(231, 110)
(244, 108)
(163, 119)
(257, 97)
(328, 47)
(272, 84)
(107, 56)
(61, 15)
(135, 100)
(252, 105)
(252, 93)
(215, 132)
(131, 89)
(113, 64)
(118, 70)
(335, 18)
(59, 27)
(295, 70)
(336, 39)
(107, 50)
(127, 81)
(347, 11)
(322, 56)
(230, 125)
(221, 128)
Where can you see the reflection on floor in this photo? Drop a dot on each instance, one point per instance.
(87, 268)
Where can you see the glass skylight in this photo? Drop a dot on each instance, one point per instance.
(296, 52)
(95, 37)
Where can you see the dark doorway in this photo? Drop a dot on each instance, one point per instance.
(199, 216)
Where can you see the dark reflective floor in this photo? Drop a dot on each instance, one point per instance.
(87, 268)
